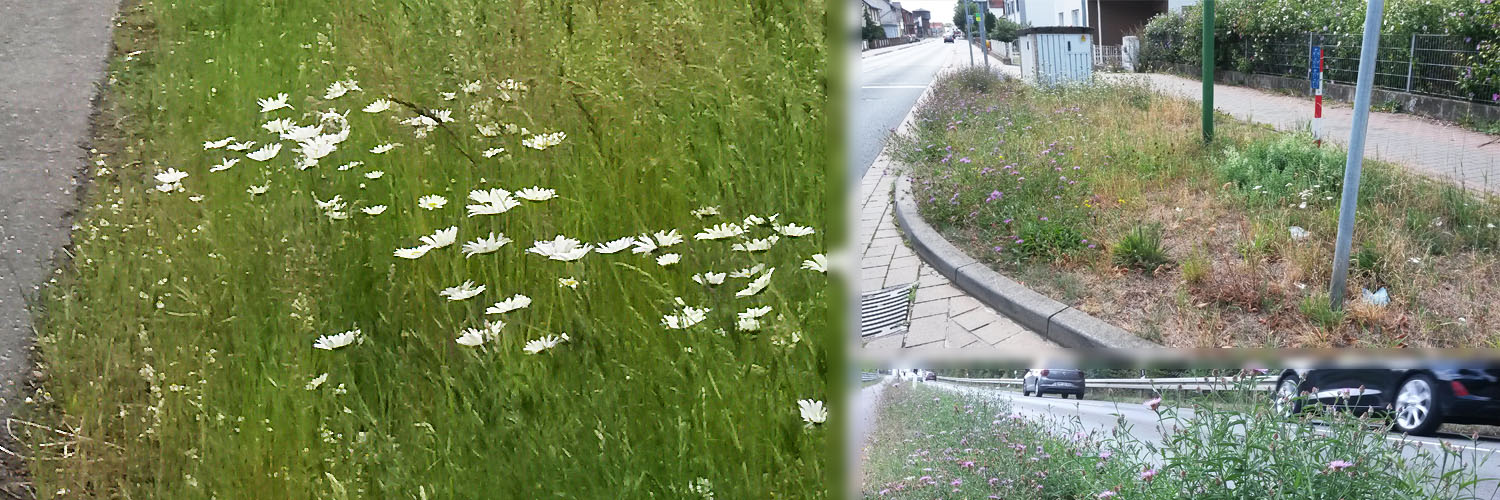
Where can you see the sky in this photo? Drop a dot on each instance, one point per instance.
(942, 10)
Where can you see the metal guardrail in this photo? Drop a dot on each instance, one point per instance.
(868, 376)
(1202, 384)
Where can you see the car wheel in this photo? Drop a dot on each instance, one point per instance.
(1025, 391)
(1418, 408)
(1287, 399)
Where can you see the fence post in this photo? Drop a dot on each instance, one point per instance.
(1411, 61)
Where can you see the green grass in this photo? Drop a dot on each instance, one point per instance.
(178, 343)
(932, 442)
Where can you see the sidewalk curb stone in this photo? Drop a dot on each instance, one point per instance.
(1056, 321)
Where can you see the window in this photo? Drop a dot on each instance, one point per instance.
(1060, 19)
(1075, 18)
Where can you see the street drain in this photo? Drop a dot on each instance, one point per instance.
(884, 312)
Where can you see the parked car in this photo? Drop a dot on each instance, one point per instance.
(1063, 382)
(930, 376)
(948, 39)
(1417, 400)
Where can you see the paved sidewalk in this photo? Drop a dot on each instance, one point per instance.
(1429, 147)
(52, 56)
(943, 316)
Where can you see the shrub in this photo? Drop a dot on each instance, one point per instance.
(1285, 170)
(1141, 248)
(1196, 268)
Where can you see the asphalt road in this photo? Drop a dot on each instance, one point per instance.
(887, 86)
(1104, 416)
(52, 55)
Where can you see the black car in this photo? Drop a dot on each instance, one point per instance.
(1056, 381)
(1417, 400)
(948, 39)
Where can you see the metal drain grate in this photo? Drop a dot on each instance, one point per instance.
(884, 312)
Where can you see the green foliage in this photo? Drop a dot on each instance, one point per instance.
(968, 23)
(1286, 170)
(1196, 267)
(178, 344)
(1318, 310)
(871, 29)
(1141, 248)
(1004, 30)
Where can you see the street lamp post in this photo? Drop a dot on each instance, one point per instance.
(969, 31)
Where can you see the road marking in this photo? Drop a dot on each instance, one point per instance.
(894, 87)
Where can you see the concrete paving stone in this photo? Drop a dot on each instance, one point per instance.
(998, 331)
(959, 338)
(962, 304)
(929, 308)
(1024, 344)
(904, 251)
(925, 330)
(903, 262)
(894, 276)
(977, 318)
(893, 242)
(878, 250)
(888, 343)
(926, 279)
(870, 261)
(871, 284)
(938, 292)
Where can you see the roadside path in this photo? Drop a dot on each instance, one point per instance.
(52, 56)
(1435, 149)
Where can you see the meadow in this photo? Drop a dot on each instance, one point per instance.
(1104, 197)
(935, 442)
(445, 249)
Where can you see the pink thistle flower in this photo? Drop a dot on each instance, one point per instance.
(1147, 474)
(1106, 494)
(1153, 404)
(1338, 465)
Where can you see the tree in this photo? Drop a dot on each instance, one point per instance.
(965, 23)
(871, 30)
(1003, 30)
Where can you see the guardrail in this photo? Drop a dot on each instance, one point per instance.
(1202, 384)
(868, 376)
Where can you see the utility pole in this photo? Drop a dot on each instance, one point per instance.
(984, 45)
(968, 31)
(1356, 158)
(1208, 70)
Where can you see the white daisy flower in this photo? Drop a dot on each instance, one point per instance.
(488, 129)
(485, 245)
(337, 340)
(703, 212)
(667, 238)
(318, 147)
(543, 141)
(561, 248)
(448, 96)
(709, 278)
(490, 153)
(471, 87)
(207, 145)
(754, 220)
(337, 214)
(490, 202)
(375, 174)
(755, 312)
(644, 244)
(240, 146)
(536, 193)
(383, 148)
(685, 318)
(378, 106)
(315, 382)
(279, 126)
(304, 163)
(616, 245)
(330, 204)
(668, 259)
(756, 286)
(299, 134)
(375, 210)
(167, 188)
(569, 282)
(544, 343)
(274, 103)
(517, 301)
(813, 412)
(441, 238)
(793, 230)
(432, 202)
(750, 319)
(720, 231)
(225, 165)
(757, 245)
(336, 90)
(817, 263)
(258, 190)
(171, 176)
(747, 324)
(748, 272)
(265, 153)
(463, 291)
(472, 337)
(412, 253)
(443, 115)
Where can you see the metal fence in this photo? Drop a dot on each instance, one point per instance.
(1420, 63)
(880, 43)
(1107, 57)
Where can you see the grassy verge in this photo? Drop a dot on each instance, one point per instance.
(1104, 197)
(179, 346)
(935, 442)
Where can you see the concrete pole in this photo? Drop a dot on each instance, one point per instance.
(1356, 158)
(1208, 70)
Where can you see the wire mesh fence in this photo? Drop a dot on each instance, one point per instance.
(1437, 65)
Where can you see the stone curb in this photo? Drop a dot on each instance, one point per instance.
(1054, 320)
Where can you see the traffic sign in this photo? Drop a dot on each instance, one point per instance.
(1314, 67)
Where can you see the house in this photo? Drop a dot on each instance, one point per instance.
(1112, 19)
(889, 15)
